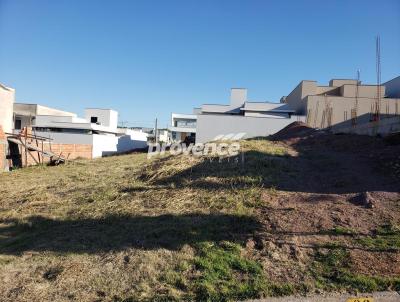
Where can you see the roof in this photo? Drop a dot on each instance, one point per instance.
(211, 108)
(394, 79)
(265, 106)
(105, 109)
(6, 88)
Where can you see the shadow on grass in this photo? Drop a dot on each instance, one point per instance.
(114, 233)
(320, 167)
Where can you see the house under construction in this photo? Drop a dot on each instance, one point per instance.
(33, 134)
(347, 104)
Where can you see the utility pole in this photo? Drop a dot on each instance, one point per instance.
(156, 132)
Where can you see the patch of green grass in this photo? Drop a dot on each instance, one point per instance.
(339, 231)
(386, 237)
(332, 270)
(226, 275)
(333, 245)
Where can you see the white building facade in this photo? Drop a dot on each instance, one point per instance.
(183, 127)
(99, 129)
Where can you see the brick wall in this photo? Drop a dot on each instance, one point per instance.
(70, 151)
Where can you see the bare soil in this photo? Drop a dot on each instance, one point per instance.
(306, 212)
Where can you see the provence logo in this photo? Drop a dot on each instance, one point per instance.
(224, 145)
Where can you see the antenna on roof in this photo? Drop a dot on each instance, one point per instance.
(354, 112)
(378, 77)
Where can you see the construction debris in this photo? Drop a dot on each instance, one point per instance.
(24, 144)
(295, 129)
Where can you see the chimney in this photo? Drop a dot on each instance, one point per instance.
(238, 97)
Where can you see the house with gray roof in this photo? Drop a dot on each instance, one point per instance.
(242, 116)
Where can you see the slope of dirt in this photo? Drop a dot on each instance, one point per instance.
(310, 213)
(295, 129)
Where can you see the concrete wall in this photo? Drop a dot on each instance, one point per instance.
(7, 98)
(48, 120)
(267, 114)
(328, 90)
(384, 127)
(25, 109)
(364, 91)
(211, 125)
(106, 117)
(132, 140)
(67, 138)
(26, 121)
(319, 108)
(101, 144)
(296, 99)
(340, 82)
(238, 96)
(104, 145)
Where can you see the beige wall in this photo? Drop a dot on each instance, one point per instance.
(7, 97)
(328, 90)
(364, 91)
(340, 82)
(296, 99)
(333, 110)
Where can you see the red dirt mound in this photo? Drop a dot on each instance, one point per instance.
(295, 129)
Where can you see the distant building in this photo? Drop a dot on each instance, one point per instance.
(253, 119)
(131, 139)
(392, 88)
(344, 102)
(64, 133)
(164, 136)
(183, 126)
(98, 130)
(25, 114)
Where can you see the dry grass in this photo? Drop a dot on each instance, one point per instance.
(126, 228)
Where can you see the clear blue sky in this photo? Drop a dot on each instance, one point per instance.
(151, 58)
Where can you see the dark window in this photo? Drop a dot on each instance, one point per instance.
(93, 119)
(17, 124)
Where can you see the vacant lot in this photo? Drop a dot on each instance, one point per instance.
(293, 217)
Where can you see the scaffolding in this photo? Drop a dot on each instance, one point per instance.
(23, 144)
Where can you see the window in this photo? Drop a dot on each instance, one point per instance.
(93, 119)
(18, 124)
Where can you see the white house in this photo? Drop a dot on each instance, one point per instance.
(182, 126)
(97, 132)
(242, 116)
